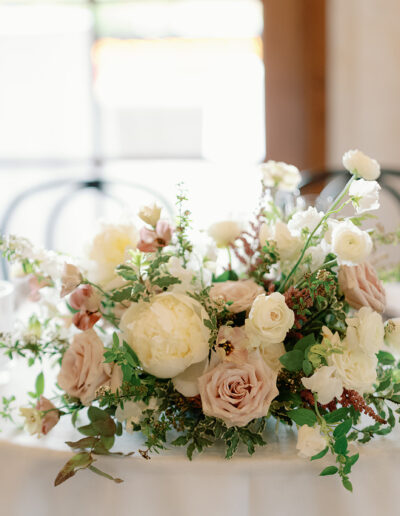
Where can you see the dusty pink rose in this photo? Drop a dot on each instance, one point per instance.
(35, 285)
(51, 416)
(70, 279)
(362, 287)
(240, 293)
(151, 239)
(83, 369)
(239, 390)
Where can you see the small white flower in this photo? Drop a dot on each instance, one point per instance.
(365, 330)
(224, 232)
(325, 384)
(150, 214)
(350, 244)
(280, 175)
(359, 163)
(392, 333)
(132, 412)
(305, 220)
(33, 420)
(365, 195)
(310, 441)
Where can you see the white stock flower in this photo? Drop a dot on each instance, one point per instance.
(359, 163)
(150, 214)
(392, 333)
(310, 441)
(280, 175)
(308, 219)
(167, 333)
(224, 232)
(33, 420)
(356, 369)
(269, 320)
(325, 384)
(350, 244)
(132, 412)
(365, 195)
(365, 330)
(288, 246)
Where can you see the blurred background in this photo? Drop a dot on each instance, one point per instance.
(108, 104)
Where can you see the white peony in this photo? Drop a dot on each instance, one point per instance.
(108, 249)
(365, 331)
(310, 441)
(132, 413)
(150, 214)
(224, 232)
(350, 244)
(167, 333)
(392, 333)
(325, 384)
(288, 246)
(269, 320)
(365, 195)
(359, 163)
(305, 220)
(271, 353)
(356, 369)
(280, 175)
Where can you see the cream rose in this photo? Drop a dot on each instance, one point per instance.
(350, 244)
(359, 163)
(325, 384)
(392, 333)
(356, 369)
(167, 333)
(239, 390)
(365, 331)
(108, 249)
(280, 175)
(269, 320)
(310, 441)
(224, 233)
(83, 369)
(240, 293)
(150, 214)
(362, 287)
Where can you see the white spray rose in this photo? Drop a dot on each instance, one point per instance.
(356, 369)
(167, 333)
(224, 233)
(310, 441)
(280, 175)
(350, 244)
(365, 330)
(269, 320)
(365, 195)
(288, 246)
(150, 214)
(308, 219)
(359, 163)
(325, 384)
(392, 333)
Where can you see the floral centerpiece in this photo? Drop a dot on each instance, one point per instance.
(280, 319)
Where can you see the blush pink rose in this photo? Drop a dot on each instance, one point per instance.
(83, 369)
(362, 287)
(240, 293)
(51, 416)
(70, 279)
(238, 390)
(151, 240)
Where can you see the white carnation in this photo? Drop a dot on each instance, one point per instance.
(310, 441)
(359, 163)
(280, 175)
(308, 219)
(365, 330)
(365, 195)
(325, 384)
(350, 244)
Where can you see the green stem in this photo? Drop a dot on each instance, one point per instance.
(330, 211)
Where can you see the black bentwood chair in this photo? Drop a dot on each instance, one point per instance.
(67, 190)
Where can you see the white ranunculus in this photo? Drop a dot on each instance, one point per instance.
(314, 257)
(325, 384)
(365, 330)
(224, 232)
(288, 246)
(108, 249)
(269, 320)
(167, 333)
(150, 214)
(132, 413)
(280, 175)
(265, 234)
(365, 195)
(271, 353)
(392, 333)
(356, 369)
(308, 219)
(350, 244)
(359, 163)
(310, 441)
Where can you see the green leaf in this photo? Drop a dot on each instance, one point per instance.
(347, 484)
(180, 441)
(342, 429)
(105, 427)
(340, 445)
(87, 430)
(39, 385)
(104, 474)
(108, 442)
(79, 461)
(307, 367)
(336, 415)
(293, 360)
(385, 358)
(96, 414)
(330, 470)
(303, 343)
(190, 450)
(115, 340)
(303, 416)
(226, 276)
(131, 354)
(86, 442)
(395, 398)
(320, 454)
